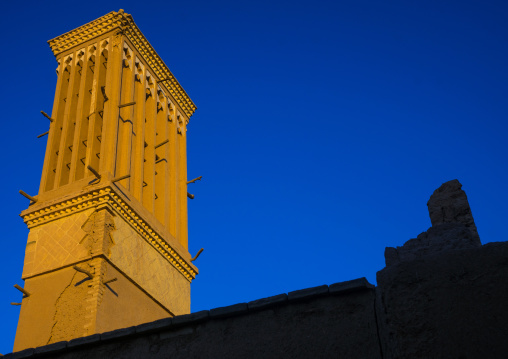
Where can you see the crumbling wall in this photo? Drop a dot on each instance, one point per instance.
(61, 287)
(452, 228)
(451, 304)
(443, 294)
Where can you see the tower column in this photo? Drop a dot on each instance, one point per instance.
(107, 242)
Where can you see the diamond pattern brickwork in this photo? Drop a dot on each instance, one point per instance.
(55, 244)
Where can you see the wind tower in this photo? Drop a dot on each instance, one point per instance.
(107, 246)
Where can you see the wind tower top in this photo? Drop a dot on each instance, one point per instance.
(125, 24)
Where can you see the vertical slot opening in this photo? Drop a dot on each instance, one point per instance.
(161, 163)
(85, 121)
(70, 124)
(58, 125)
(125, 123)
(95, 141)
(149, 157)
(138, 132)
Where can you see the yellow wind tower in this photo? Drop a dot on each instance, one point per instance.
(107, 246)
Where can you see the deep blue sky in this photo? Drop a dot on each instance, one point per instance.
(322, 129)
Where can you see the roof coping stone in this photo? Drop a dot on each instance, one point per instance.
(21, 354)
(191, 318)
(51, 348)
(228, 311)
(268, 302)
(308, 293)
(118, 333)
(152, 326)
(350, 286)
(90, 339)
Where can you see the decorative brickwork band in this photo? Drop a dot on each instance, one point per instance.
(107, 196)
